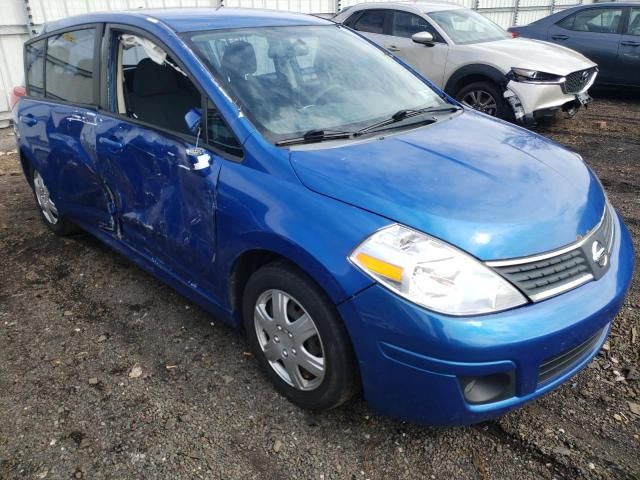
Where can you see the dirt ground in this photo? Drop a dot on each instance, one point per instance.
(107, 373)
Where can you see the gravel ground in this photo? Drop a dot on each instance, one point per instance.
(107, 373)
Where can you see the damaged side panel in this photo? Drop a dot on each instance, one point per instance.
(164, 209)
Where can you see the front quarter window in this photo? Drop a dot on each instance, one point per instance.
(292, 80)
(466, 26)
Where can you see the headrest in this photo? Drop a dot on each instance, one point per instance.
(239, 59)
(281, 49)
(153, 79)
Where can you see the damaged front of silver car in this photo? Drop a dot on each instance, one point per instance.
(534, 95)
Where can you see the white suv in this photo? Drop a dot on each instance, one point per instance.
(475, 60)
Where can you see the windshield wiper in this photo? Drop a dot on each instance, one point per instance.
(407, 113)
(317, 135)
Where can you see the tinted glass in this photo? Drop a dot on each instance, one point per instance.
(288, 80)
(34, 68)
(466, 26)
(596, 20)
(406, 24)
(69, 66)
(634, 22)
(371, 21)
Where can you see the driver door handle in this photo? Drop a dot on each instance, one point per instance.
(560, 37)
(393, 48)
(630, 43)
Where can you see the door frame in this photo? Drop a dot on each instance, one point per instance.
(107, 91)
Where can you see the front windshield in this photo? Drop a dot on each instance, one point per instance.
(466, 26)
(291, 80)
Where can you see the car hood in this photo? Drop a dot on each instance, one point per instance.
(493, 189)
(531, 54)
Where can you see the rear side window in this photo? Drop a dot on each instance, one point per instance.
(34, 68)
(69, 66)
(594, 20)
(371, 21)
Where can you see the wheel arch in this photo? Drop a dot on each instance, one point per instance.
(27, 165)
(271, 248)
(474, 73)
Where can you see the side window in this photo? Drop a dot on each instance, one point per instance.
(595, 20)
(34, 68)
(150, 86)
(406, 24)
(69, 66)
(371, 21)
(349, 22)
(219, 135)
(634, 22)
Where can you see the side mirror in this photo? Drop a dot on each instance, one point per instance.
(193, 118)
(423, 38)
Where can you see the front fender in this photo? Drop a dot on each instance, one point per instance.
(261, 211)
(454, 82)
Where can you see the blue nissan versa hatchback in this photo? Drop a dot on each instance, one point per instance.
(292, 178)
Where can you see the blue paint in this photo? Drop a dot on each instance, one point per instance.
(490, 188)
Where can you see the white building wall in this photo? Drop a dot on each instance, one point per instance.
(19, 17)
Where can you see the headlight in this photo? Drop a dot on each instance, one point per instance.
(433, 274)
(533, 76)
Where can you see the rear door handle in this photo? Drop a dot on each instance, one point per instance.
(113, 145)
(28, 120)
(560, 37)
(393, 48)
(630, 43)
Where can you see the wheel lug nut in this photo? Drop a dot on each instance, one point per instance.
(276, 339)
(290, 335)
(293, 350)
(284, 353)
(279, 327)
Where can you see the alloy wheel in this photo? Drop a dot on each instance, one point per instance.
(482, 101)
(45, 203)
(289, 339)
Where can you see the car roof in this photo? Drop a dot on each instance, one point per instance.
(195, 19)
(419, 5)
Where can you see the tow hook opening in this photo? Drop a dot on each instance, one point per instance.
(571, 108)
(515, 103)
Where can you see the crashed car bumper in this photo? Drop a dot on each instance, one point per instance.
(530, 101)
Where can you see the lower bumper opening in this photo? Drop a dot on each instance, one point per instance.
(555, 366)
(488, 388)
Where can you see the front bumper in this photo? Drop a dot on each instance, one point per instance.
(412, 361)
(537, 100)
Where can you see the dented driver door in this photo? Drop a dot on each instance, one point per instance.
(164, 203)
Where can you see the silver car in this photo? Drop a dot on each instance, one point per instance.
(475, 60)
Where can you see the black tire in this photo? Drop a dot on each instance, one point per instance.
(502, 110)
(61, 226)
(341, 378)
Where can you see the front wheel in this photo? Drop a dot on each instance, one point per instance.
(298, 338)
(484, 97)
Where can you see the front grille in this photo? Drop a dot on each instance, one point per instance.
(577, 82)
(555, 366)
(549, 274)
(535, 278)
